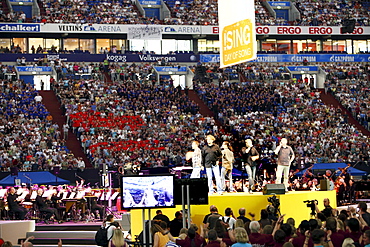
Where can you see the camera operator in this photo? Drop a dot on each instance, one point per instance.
(328, 210)
(273, 209)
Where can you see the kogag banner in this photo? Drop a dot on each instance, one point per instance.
(112, 57)
(144, 32)
(237, 31)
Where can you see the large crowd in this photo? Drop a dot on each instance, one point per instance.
(196, 12)
(329, 227)
(100, 12)
(185, 12)
(162, 120)
(30, 139)
(266, 111)
(315, 13)
(353, 94)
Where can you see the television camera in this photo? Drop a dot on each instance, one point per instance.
(311, 204)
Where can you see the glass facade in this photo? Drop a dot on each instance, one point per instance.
(5, 43)
(71, 44)
(87, 45)
(21, 42)
(50, 43)
(208, 45)
(101, 45)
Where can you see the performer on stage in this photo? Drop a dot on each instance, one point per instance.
(196, 160)
(13, 204)
(43, 207)
(211, 155)
(285, 158)
(250, 155)
(330, 176)
(227, 165)
(96, 208)
(56, 200)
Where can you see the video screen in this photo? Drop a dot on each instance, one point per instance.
(147, 191)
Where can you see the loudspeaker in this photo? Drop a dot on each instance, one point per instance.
(348, 26)
(277, 189)
(14, 171)
(56, 170)
(324, 184)
(198, 190)
(35, 167)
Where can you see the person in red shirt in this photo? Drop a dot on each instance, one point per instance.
(257, 238)
(353, 230)
(212, 239)
(300, 239)
(336, 237)
(193, 239)
(279, 238)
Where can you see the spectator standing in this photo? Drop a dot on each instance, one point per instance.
(38, 98)
(65, 131)
(176, 224)
(81, 164)
(212, 218)
(241, 216)
(229, 218)
(241, 238)
(160, 216)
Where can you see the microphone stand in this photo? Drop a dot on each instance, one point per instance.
(78, 176)
(30, 180)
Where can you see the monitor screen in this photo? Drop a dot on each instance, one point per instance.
(147, 191)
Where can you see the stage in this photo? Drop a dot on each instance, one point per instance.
(82, 233)
(291, 204)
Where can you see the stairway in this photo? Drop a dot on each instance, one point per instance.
(329, 99)
(52, 104)
(200, 72)
(242, 77)
(107, 78)
(5, 7)
(41, 7)
(203, 108)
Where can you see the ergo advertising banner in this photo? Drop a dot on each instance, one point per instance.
(172, 29)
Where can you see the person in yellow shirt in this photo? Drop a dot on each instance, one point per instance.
(160, 234)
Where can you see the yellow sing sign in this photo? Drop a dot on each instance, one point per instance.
(237, 42)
